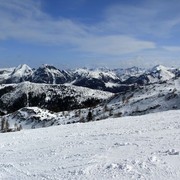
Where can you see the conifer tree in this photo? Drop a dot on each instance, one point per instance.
(7, 125)
(89, 116)
(2, 124)
(15, 126)
(20, 127)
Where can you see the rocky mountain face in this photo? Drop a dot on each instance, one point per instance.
(49, 75)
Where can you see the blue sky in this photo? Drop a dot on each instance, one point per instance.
(77, 33)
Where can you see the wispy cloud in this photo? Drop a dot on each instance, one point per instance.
(26, 21)
(155, 18)
(172, 48)
(124, 29)
(114, 44)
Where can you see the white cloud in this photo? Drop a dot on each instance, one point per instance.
(114, 45)
(24, 20)
(155, 18)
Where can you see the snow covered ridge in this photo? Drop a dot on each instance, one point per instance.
(147, 99)
(100, 78)
(139, 101)
(142, 147)
(53, 97)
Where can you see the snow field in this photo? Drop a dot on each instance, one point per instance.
(141, 147)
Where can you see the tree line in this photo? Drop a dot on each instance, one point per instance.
(5, 126)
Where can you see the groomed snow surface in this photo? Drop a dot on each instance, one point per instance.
(141, 147)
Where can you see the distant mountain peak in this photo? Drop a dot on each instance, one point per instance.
(48, 66)
(22, 66)
(162, 72)
(159, 68)
(19, 74)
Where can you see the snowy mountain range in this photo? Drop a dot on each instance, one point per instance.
(113, 80)
(48, 96)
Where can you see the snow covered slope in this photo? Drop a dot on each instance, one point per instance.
(102, 79)
(5, 74)
(138, 101)
(160, 73)
(53, 97)
(125, 74)
(34, 117)
(20, 74)
(50, 75)
(142, 147)
(96, 73)
(147, 99)
(157, 74)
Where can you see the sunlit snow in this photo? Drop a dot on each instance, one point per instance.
(142, 147)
